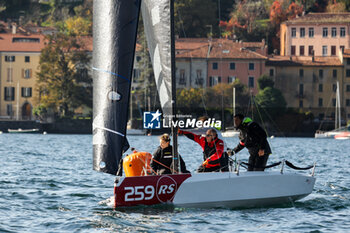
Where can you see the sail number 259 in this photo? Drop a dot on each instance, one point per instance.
(138, 193)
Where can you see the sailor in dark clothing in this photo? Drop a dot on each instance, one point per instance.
(253, 137)
(163, 157)
(213, 151)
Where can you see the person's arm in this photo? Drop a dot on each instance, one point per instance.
(156, 156)
(190, 135)
(239, 147)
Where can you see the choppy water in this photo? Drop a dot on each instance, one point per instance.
(47, 185)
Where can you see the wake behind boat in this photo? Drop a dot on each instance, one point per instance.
(115, 27)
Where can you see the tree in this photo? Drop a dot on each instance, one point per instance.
(246, 21)
(271, 101)
(193, 16)
(63, 81)
(335, 7)
(265, 81)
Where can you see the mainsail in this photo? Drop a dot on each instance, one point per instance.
(114, 31)
(156, 19)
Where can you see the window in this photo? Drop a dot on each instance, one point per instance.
(324, 50)
(347, 73)
(9, 74)
(213, 80)
(301, 103)
(232, 66)
(251, 66)
(9, 110)
(311, 32)
(333, 50)
(251, 82)
(320, 102)
(334, 87)
(9, 94)
(26, 92)
(301, 73)
(301, 89)
(334, 73)
(26, 59)
(294, 32)
(347, 102)
(320, 87)
(292, 50)
(320, 73)
(342, 32)
(347, 88)
(219, 79)
(325, 32)
(272, 72)
(348, 61)
(334, 32)
(138, 58)
(27, 73)
(182, 77)
(334, 102)
(231, 79)
(215, 66)
(10, 58)
(302, 32)
(301, 50)
(199, 79)
(311, 50)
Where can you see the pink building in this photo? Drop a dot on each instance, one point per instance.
(203, 62)
(325, 34)
(228, 61)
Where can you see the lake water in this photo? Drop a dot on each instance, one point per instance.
(47, 185)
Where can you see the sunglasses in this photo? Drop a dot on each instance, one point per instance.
(209, 135)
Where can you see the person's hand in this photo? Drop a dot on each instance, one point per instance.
(230, 152)
(261, 152)
(205, 163)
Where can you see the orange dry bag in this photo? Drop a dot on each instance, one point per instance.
(137, 164)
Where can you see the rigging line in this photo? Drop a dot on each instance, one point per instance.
(257, 108)
(197, 79)
(109, 72)
(109, 130)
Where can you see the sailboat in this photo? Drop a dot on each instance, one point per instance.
(115, 26)
(339, 132)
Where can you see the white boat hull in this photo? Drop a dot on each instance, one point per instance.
(226, 189)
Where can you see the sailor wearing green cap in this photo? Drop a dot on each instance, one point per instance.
(254, 138)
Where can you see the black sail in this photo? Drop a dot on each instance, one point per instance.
(114, 33)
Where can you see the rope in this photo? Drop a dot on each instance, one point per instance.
(173, 171)
(289, 164)
(269, 166)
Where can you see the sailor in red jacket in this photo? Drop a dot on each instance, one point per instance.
(213, 151)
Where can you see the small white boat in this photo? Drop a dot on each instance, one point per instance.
(342, 136)
(19, 130)
(230, 133)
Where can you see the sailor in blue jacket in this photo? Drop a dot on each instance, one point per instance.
(254, 138)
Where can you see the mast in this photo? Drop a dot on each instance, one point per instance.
(337, 110)
(234, 102)
(173, 88)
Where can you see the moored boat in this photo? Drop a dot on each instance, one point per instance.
(19, 130)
